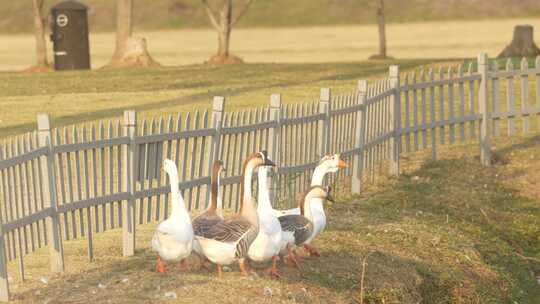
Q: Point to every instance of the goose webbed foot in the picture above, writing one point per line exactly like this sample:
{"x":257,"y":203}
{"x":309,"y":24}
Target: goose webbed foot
{"x":312,"y":250}
{"x":298,"y":256}
{"x":292,"y":258}
{"x":160,"y":266}
{"x":273,"y":271}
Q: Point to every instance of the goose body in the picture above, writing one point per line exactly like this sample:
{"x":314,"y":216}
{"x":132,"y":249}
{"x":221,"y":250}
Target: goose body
{"x":267,"y":243}
{"x":173,"y":237}
{"x":229,"y":240}
{"x":328,"y":164}
{"x":214,"y":214}
{"x":299,"y":229}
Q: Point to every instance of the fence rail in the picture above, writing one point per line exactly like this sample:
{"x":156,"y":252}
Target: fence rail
{"x":68,"y":183}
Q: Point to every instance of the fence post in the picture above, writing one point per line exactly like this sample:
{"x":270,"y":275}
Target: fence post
{"x":395,"y":116}
{"x":128,"y":180}
{"x":358,"y":165}
{"x":218,"y":108}
{"x":324,"y":124}
{"x":274,"y":141}
{"x":485,"y":125}
{"x":48,"y":180}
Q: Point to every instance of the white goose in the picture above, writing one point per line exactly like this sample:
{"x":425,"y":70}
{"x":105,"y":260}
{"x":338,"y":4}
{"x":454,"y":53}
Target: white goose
{"x":328,"y":164}
{"x":229,"y":240}
{"x":267,"y":244}
{"x":174,"y":236}
{"x":298,"y":229}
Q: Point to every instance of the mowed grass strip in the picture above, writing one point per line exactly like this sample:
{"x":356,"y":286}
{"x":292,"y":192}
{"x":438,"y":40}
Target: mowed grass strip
{"x":83,"y":96}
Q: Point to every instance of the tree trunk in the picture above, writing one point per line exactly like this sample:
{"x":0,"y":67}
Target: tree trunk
{"x":382,"y":30}
{"x":225,"y":31}
{"x":129,"y":51}
{"x":124,"y":14}
{"x":522,"y":44}
{"x":39,"y":31}
{"x":224,"y":38}
{"x":223,"y":55}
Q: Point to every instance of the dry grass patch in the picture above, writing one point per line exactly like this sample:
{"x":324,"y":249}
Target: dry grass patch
{"x":449,"y":231}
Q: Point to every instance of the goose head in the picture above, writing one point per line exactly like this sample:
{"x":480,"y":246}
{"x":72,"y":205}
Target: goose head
{"x":315,"y":192}
{"x":332,"y":163}
{"x":261,"y":159}
{"x":217,"y":169}
{"x":170,"y":167}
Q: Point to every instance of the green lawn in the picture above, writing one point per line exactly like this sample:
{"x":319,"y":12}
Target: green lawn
{"x":444,"y":232}
{"x":82,"y":96}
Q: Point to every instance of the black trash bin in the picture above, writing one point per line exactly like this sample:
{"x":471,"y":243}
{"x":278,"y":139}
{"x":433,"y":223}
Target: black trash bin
{"x":69,"y":28}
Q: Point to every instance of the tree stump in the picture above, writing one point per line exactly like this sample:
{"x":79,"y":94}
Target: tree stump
{"x":222,"y":59}
{"x":522,"y":44}
{"x":135,"y":55}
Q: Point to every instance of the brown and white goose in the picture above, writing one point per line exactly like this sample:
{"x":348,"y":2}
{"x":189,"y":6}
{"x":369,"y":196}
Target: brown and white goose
{"x":214,"y":212}
{"x":229,"y":240}
{"x":299,"y":229}
{"x":328,"y":164}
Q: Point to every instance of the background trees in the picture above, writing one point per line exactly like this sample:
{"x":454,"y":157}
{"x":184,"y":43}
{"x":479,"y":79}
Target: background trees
{"x":224,"y":16}
{"x":42,"y":63}
{"x":129,"y":50}
{"x":382,"y":31}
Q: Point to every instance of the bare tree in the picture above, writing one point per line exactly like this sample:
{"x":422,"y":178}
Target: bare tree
{"x":223,"y":20}
{"x":42,"y":63}
{"x":124,"y":26}
{"x":382,"y":31}
{"x":129,"y":50}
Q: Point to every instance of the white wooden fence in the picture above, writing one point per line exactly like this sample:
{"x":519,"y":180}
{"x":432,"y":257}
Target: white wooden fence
{"x":58,"y":184}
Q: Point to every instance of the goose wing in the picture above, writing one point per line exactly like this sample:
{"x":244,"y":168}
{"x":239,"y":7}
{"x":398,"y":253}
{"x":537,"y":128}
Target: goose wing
{"x":203,"y":223}
{"x":236,"y":230}
{"x":299,"y":225}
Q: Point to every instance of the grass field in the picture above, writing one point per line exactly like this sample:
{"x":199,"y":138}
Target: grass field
{"x":449,"y":39}
{"x":422,"y":245}
{"x":329,"y":54}
{"x":75,"y":97}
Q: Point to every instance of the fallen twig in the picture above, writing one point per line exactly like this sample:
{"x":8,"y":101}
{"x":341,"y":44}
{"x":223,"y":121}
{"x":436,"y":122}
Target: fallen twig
{"x":364,"y":264}
{"x":527,"y":258}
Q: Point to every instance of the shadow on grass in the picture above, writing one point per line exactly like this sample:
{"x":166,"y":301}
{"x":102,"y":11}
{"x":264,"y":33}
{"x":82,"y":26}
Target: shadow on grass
{"x":521,"y":145}
{"x":449,"y":198}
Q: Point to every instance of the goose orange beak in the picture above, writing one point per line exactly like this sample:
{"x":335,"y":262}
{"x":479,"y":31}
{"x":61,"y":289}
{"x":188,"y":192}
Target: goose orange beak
{"x":342,"y":164}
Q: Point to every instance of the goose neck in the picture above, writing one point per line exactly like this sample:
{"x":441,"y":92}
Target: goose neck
{"x":263,"y":202}
{"x":177,"y":206}
{"x":318,"y":175}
